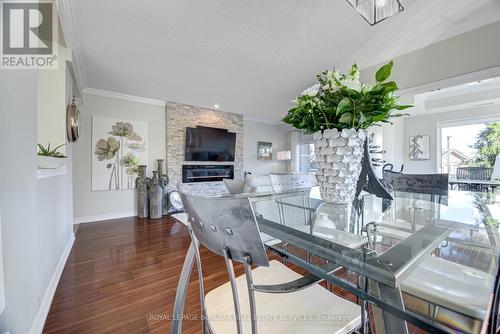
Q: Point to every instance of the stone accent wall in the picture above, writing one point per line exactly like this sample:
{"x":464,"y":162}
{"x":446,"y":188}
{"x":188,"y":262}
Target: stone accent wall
{"x":179,"y":117}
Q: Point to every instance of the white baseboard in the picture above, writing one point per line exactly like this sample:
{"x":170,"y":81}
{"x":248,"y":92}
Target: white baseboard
{"x":91,"y":219}
{"x":43,"y":311}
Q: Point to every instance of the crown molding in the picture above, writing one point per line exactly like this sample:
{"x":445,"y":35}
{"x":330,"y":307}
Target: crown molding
{"x":125,"y":97}
{"x":66,"y":11}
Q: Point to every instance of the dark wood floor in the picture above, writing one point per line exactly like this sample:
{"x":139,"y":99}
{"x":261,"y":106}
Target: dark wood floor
{"x":121,"y":277}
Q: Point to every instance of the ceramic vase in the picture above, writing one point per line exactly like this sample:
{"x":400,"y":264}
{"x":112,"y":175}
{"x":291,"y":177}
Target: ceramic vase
{"x":163,"y":179}
{"x":338,"y":157}
{"x":141,"y":186}
{"x":155,"y":198}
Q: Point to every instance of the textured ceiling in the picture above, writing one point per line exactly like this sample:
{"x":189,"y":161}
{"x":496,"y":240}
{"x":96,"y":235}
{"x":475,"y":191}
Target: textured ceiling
{"x":250,"y":57}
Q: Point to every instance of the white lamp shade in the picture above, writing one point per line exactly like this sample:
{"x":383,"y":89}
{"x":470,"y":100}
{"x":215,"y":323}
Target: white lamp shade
{"x":496,"y":169}
{"x":284,"y":155}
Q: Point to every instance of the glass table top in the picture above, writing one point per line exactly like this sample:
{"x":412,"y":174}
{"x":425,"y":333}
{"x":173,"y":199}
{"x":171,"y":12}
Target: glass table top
{"x":441,"y":250}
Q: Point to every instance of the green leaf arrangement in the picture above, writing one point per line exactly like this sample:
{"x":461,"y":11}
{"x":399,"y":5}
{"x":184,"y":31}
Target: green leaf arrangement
{"x":341,"y":101}
{"x":47,"y":152}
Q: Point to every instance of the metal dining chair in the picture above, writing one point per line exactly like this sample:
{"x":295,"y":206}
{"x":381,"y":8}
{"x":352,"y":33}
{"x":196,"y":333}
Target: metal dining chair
{"x":283,"y":183}
{"x":268,"y":299}
{"x":442,"y":286}
{"x":434,"y":185}
{"x":474,"y":173}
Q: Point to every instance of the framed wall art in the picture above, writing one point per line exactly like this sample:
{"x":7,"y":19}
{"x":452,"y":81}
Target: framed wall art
{"x":264,"y":150}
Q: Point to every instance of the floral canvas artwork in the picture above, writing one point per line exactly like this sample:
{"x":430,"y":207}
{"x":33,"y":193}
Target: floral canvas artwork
{"x":419,"y":148}
{"x":118,"y":148}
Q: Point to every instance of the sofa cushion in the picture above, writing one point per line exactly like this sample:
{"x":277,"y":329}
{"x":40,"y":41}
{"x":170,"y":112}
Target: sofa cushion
{"x":256,"y":182}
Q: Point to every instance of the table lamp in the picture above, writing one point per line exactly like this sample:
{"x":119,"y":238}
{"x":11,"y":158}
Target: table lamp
{"x":285,"y":156}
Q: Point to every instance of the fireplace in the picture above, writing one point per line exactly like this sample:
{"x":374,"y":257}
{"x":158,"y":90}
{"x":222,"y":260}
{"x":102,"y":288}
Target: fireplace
{"x":206,"y":173}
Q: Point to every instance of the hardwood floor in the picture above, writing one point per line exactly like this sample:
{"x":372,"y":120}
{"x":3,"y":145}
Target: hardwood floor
{"x":122,"y":275}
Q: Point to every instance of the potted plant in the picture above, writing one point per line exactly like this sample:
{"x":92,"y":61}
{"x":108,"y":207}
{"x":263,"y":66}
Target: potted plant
{"x":337,"y":111}
{"x":50,"y":158}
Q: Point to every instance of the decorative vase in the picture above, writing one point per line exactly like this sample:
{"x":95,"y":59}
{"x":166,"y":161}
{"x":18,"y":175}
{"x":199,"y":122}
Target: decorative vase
{"x":338,"y":157}
{"x":155,"y":198}
{"x":141,"y":186}
{"x":163,"y":179}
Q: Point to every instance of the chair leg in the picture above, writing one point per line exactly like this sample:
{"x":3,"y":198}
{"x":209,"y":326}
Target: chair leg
{"x":363,"y":283}
{"x":180,"y":296}
{"x":200,"y":283}
{"x":251,"y":294}
{"x":234,"y":289}
{"x":280,"y":212}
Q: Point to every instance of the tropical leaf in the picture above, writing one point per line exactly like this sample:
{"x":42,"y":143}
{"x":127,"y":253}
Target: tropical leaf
{"x":344,"y":105}
{"x":346,"y":118}
{"x":403,"y":107}
{"x":362,"y":118}
{"x":384,"y":72}
{"x":389,"y":87}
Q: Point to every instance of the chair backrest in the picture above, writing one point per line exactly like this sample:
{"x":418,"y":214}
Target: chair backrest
{"x":433,"y":184}
{"x":474,"y":173}
{"x":288,"y":182}
{"x":226,"y":224}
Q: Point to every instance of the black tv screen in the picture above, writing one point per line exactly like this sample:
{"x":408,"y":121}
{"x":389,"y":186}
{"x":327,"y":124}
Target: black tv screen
{"x":209,"y":144}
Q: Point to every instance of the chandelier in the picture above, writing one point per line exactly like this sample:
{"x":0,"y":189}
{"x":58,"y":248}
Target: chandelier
{"x":375,"y":11}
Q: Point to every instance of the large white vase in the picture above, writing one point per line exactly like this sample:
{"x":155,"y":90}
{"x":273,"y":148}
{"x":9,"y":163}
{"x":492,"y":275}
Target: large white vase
{"x":338,"y":157}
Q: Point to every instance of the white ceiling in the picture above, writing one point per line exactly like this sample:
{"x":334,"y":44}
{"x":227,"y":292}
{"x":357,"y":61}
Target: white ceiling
{"x":250,"y":57}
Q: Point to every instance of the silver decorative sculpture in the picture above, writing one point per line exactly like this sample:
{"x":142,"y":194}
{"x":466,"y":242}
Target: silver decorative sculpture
{"x":141,"y":185}
{"x":367,"y":180}
{"x":155,"y":198}
{"x":163,"y":179}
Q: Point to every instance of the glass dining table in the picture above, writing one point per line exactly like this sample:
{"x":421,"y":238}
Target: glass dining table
{"x":420,"y":259}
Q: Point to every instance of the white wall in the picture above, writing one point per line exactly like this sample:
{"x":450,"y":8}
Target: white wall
{"x":52,"y":103}
{"x":392,"y":142}
{"x":94,"y":206}
{"x":36,"y":214}
{"x":2,"y":284}
{"x":428,"y":125}
{"x":99,"y":205}
{"x":254,"y":132}
{"x":470,"y":52}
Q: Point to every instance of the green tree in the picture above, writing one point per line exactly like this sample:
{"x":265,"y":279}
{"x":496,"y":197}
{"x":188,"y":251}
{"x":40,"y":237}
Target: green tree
{"x":487,"y":145}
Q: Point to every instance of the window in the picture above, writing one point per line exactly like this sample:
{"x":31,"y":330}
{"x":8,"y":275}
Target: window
{"x":307,"y":158}
{"x":303,"y":156}
{"x":469,"y":145}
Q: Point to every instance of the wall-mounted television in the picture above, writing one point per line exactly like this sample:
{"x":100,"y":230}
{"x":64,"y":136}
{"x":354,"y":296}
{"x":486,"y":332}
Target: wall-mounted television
{"x":209,"y":144}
